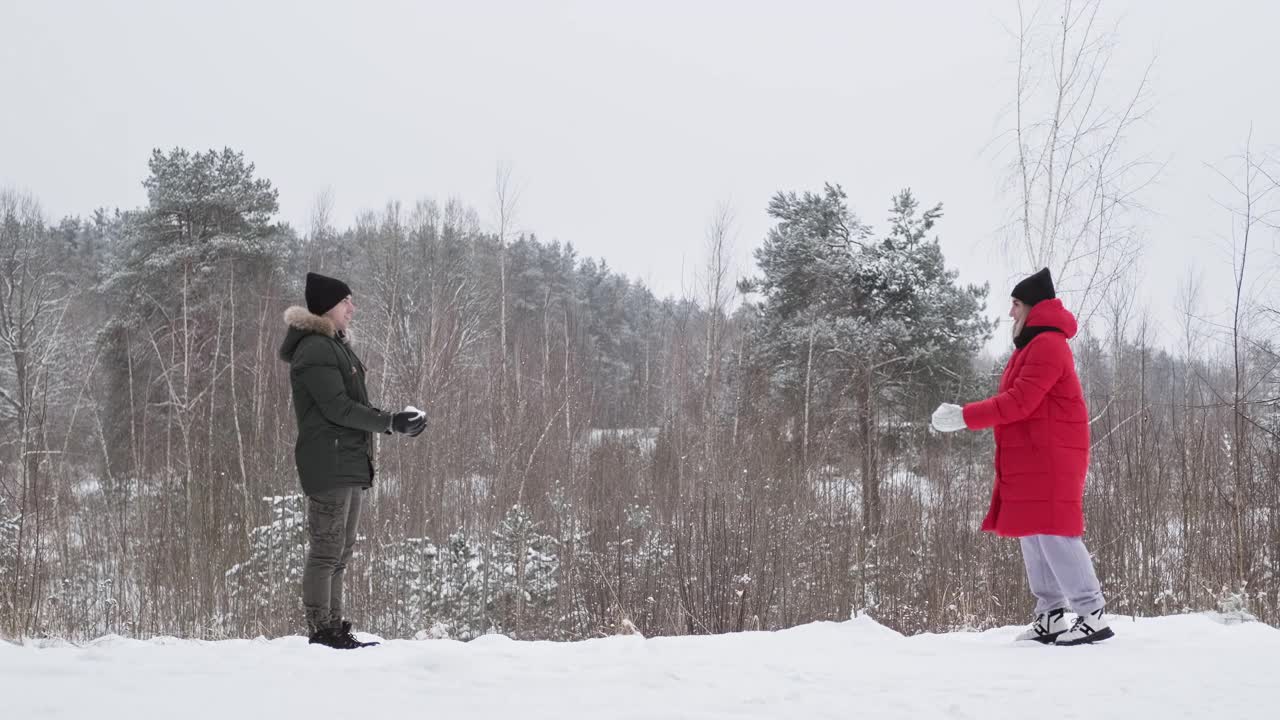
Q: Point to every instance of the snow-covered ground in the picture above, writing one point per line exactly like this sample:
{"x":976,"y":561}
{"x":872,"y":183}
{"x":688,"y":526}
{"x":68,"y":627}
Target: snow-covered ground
{"x":1189,"y":666}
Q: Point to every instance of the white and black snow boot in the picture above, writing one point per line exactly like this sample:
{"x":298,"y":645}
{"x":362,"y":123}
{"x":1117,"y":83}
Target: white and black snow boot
{"x":1090,"y":628}
{"x":1047,"y":627}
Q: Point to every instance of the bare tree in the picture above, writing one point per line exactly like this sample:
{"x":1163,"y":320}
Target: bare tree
{"x":32,"y":304}
{"x":320,"y":227}
{"x":1252,"y":208}
{"x":1072,"y":173}
{"x":718,"y":291}
{"x":506,"y":199}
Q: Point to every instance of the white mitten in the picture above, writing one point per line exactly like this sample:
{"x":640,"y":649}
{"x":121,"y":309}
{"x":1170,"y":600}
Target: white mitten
{"x":948,"y":418}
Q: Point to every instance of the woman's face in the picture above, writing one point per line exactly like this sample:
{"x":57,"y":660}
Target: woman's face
{"x":1018,"y":311}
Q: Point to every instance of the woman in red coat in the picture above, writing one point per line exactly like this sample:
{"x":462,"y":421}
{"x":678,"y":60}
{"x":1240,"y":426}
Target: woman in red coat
{"x":1041,"y":430}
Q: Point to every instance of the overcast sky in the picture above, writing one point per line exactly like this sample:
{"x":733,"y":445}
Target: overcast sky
{"x":625,"y":123}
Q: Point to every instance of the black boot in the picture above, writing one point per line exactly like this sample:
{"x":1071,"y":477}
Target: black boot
{"x":321,"y":636}
{"x":338,"y":638}
{"x":346,"y":640}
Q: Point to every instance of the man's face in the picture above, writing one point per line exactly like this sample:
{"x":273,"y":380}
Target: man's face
{"x":1018,"y":311}
{"x":341,"y":314}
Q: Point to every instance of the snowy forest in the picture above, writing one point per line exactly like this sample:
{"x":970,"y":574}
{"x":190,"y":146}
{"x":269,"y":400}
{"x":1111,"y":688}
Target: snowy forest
{"x":597,"y":459}
{"x":600,"y":460}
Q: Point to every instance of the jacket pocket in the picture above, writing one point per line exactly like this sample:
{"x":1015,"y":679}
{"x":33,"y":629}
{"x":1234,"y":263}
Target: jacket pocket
{"x":316,"y":457}
{"x":351,"y":448}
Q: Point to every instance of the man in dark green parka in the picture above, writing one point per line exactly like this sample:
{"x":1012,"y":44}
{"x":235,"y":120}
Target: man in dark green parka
{"x":334,"y":451}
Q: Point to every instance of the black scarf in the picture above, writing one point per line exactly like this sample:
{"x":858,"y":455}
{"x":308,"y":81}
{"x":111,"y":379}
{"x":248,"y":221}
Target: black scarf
{"x":1027,"y":333}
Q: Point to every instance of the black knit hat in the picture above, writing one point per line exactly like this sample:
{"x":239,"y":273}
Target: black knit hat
{"x":1035,"y":288}
{"x":323,"y":293}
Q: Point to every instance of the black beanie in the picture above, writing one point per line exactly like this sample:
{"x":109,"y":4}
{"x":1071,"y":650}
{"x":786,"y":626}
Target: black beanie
{"x":323,"y":293}
{"x":1035,"y":288}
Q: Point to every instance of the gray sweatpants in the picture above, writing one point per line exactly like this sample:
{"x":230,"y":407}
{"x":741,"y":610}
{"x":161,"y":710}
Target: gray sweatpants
{"x":1060,"y":573}
{"x":332,"y":521}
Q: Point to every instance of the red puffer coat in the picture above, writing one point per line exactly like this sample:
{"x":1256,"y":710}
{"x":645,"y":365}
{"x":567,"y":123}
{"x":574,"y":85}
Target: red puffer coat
{"x":1041,"y":432}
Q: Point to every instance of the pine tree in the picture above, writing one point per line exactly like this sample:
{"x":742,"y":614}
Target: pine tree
{"x":411,"y":569}
{"x":264,"y":588}
{"x":461,"y":606}
{"x":525,"y":569}
{"x":640,"y":556}
{"x":858,"y":335}
{"x":205,"y":212}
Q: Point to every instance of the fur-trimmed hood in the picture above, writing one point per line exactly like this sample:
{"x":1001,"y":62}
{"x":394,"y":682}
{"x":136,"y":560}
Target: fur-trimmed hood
{"x":302,"y":319}
{"x":302,"y":322}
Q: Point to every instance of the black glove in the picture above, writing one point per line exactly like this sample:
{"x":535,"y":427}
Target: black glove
{"x":409,"y":423}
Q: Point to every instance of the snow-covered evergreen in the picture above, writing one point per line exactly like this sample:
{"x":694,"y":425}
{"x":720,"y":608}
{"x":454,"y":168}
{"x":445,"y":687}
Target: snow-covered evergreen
{"x":270,"y":576}
{"x":526,"y":580}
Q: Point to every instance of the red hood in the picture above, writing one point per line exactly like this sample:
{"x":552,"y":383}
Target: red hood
{"x":1051,"y":313}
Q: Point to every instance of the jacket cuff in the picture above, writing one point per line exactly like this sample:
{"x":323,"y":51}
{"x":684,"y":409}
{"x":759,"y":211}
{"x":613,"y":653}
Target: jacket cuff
{"x":970,"y":415}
